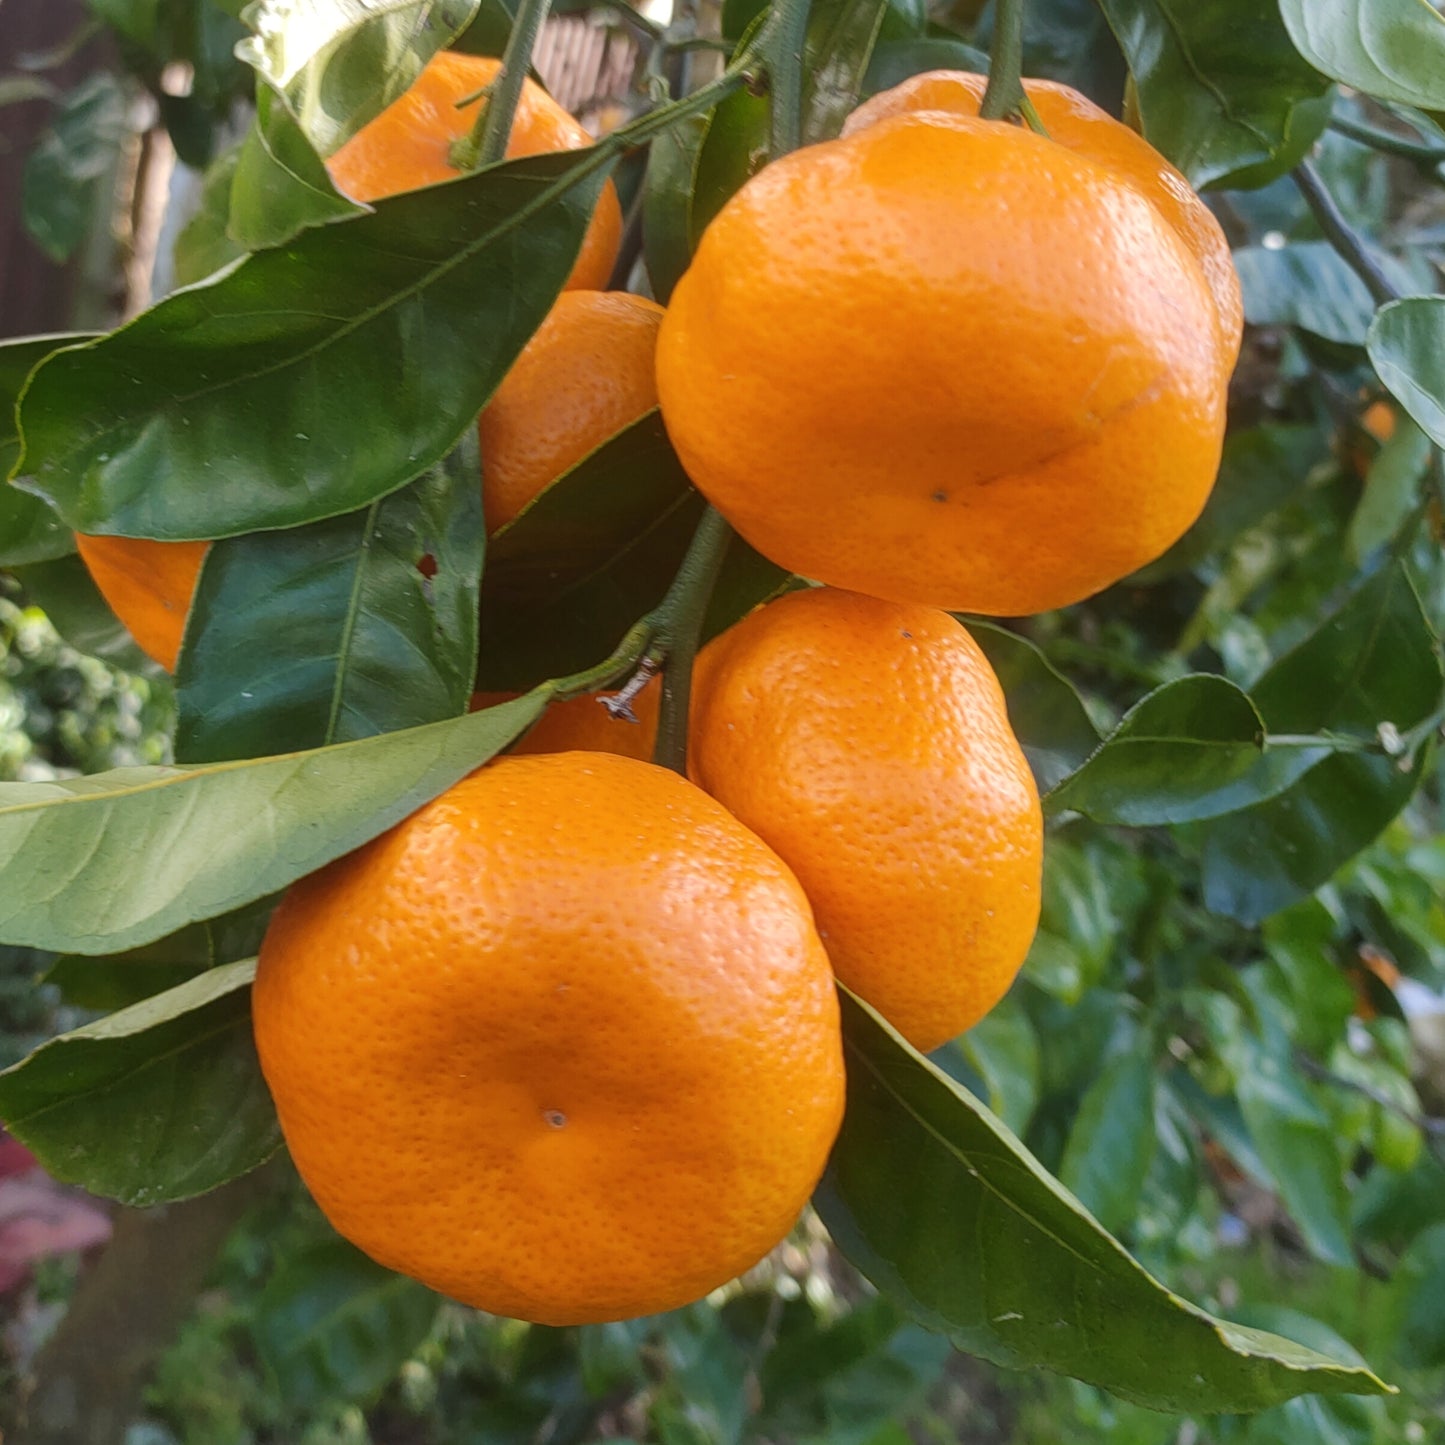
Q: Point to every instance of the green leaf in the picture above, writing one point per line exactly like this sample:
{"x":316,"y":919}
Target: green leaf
{"x":105,"y":863}
{"x":1177,"y":755}
{"x":158,"y":1102}
{"x":117,"y":980}
{"x":325,"y":68}
{"x":1420,"y":1294}
{"x":359,"y":625}
{"x":1406,"y":346}
{"x":1392,"y":487}
{"x":1390,"y":49}
{"x":333,"y":1325}
{"x":1307,"y":284}
{"x":203,"y":246}
{"x":948,"y":1214}
{"x":1111,"y":1144}
{"x":309,"y":381}
{"x":583,"y":561}
{"x":1003,"y":1050}
{"x":667,"y":233}
{"x":29,"y":530}
{"x":1373,"y":664}
{"x":841,"y":37}
{"x":894,"y":61}
{"x":60,"y":198}
{"x":1296,"y":1140}
{"x":1222,"y":91}
{"x":1046,"y":714}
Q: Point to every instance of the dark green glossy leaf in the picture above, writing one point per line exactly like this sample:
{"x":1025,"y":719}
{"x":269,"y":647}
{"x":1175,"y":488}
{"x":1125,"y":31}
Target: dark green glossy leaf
{"x":580,"y":564}
{"x":490,"y":28}
{"x":1068,"y":41}
{"x":63,"y":590}
{"x":894,"y":61}
{"x":734,"y":149}
{"x":105,"y":863}
{"x":948,"y":1214}
{"x":1222,"y":91}
{"x":1306,"y":284}
{"x":309,"y":381}
{"x":1179,"y":754}
{"x":1260,"y":470}
{"x":1373,"y":664}
{"x":747,"y":580}
{"x":359,"y":625}
{"x":324,"y":68}
{"x":333,"y":1325}
{"x":203,"y":245}
{"x":1295,"y":1139}
{"x":29,"y":530}
{"x":667,"y":234}
{"x":1003,"y":1050}
{"x":61,"y":199}
{"x":117,"y":980}
{"x":1390,"y":49}
{"x":1111,"y":1144}
{"x":158,"y":1102}
{"x":1407,"y":347}
{"x":1392,"y":487}
{"x":841,"y":37}
{"x":1048,"y":716}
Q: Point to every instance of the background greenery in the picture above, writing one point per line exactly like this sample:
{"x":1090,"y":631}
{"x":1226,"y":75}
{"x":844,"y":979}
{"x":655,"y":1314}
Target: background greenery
{"x":1208,"y":1044}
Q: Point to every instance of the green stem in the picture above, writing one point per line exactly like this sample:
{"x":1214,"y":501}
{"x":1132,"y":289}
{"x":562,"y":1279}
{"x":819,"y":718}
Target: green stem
{"x":1421,"y":152}
{"x":623,"y":658}
{"x":783,"y":41}
{"x":1341,"y":235}
{"x":487,"y":143}
{"x":679,"y":629}
{"x":1005,"y":92}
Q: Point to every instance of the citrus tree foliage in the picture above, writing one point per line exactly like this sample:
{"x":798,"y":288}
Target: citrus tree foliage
{"x":1237,"y":747}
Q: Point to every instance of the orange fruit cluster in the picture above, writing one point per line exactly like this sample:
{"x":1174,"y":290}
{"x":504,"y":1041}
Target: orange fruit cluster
{"x":564,"y":1043}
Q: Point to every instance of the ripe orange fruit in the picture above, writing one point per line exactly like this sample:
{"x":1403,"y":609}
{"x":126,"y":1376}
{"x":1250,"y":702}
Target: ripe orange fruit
{"x":149,"y":586}
{"x":582,"y":724}
{"x":588,"y":372}
{"x":564,"y":1044}
{"x":869,"y":744}
{"x":950,"y":361}
{"x":409,"y":145}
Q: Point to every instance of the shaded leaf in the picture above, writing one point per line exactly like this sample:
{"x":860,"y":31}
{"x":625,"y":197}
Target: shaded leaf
{"x":1045,"y":712}
{"x":1179,"y":754}
{"x":359,"y":625}
{"x":1406,"y":345}
{"x":1111,"y":1144}
{"x":158,"y":1102}
{"x":1003,"y":1050}
{"x":204,"y":246}
{"x":1222,"y":91}
{"x":332,"y":1324}
{"x":948,"y":1214}
{"x":1306,"y":284}
{"x":105,"y":863}
{"x":309,"y":381}
{"x":841,"y":37}
{"x":29,"y":530}
{"x":1392,"y":486}
{"x":894,"y":61}
{"x":667,"y":233}
{"x":1373,"y":664}
{"x":1390,"y":49}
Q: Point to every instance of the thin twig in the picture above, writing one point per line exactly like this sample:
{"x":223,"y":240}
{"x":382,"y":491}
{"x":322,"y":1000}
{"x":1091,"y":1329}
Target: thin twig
{"x":1343,"y":236}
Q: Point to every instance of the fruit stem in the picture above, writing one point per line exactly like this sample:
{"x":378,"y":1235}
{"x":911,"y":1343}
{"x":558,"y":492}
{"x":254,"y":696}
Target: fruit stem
{"x":1004,"y":92}
{"x":487,"y":143}
{"x":1341,"y":235}
{"x":787,"y":35}
{"x":678,"y":629}
{"x":1427,"y":156}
